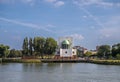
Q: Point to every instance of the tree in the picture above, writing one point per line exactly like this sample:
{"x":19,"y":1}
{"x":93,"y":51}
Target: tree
{"x":4,"y":50}
{"x":30,"y":46}
{"x":12,"y":53}
{"x":15,"y":53}
{"x":39,"y":43}
{"x":104,"y":51}
{"x":50,"y":46}
{"x":118,"y":56}
{"x":115,"y":49}
{"x":88,"y":53}
{"x":25,"y":46}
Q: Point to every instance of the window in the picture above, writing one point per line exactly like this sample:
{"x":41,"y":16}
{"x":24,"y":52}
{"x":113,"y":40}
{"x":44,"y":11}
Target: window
{"x":66,"y":52}
{"x":73,"y":52}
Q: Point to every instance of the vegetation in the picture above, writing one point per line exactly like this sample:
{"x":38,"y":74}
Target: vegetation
{"x":15,"y":53}
{"x":4,"y":51}
{"x":39,"y":46}
{"x":104,"y":51}
{"x":116,"y":50}
{"x":18,"y":60}
{"x":88,"y":53}
{"x":106,"y":62}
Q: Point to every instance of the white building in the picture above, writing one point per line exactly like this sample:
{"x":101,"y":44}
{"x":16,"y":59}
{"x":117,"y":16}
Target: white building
{"x":65,"y":48}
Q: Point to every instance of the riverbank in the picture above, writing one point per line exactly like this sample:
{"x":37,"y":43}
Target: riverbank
{"x":105,"y":62}
{"x":17,"y":60}
{"x":95,"y":61}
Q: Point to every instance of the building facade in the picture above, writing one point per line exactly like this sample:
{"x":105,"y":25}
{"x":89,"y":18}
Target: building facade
{"x":65,"y":48}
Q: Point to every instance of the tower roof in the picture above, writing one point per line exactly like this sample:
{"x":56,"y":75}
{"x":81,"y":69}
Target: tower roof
{"x":66,"y":42}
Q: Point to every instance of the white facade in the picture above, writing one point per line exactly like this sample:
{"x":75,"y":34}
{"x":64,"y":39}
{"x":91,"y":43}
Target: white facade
{"x":65,"y":47}
{"x":67,"y":52}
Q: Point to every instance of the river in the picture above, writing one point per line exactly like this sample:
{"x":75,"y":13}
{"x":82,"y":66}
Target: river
{"x":58,"y":72}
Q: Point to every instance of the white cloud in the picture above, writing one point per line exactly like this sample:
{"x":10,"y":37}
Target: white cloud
{"x":25,"y":24}
{"x":77,"y":37}
{"x":59,"y":3}
{"x":50,"y":1}
{"x":84,"y":16}
{"x":56,"y":3}
{"x":101,"y":3}
{"x":30,"y":2}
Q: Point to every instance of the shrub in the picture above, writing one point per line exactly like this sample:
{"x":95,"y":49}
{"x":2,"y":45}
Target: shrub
{"x":118,"y":56}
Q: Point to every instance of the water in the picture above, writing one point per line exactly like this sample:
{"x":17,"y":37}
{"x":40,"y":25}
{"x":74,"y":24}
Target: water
{"x":59,"y":72}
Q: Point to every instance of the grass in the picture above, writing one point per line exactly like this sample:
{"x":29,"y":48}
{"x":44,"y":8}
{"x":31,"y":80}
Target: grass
{"x":15,"y":60}
{"x":95,"y":61}
{"x":105,"y":62}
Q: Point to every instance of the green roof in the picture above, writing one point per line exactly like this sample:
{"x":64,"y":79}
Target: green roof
{"x":66,"y":42}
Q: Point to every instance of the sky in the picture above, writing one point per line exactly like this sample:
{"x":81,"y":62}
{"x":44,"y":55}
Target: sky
{"x":89,"y":22}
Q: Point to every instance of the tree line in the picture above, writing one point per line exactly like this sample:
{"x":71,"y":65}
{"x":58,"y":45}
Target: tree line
{"x":38,"y":46}
{"x":107,"y":51}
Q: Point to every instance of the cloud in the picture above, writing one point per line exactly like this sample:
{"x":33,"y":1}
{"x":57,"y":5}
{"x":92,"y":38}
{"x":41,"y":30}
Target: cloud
{"x":112,"y":28}
{"x":59,"y":3}
{"x":56,"y":3}
{"x":50,"y":1}
{"x":77,"y":37}
{"x":25,"y":24}
{"x":101,"y":3}
{"x":89,"y":14}
{"x":30,"y":2}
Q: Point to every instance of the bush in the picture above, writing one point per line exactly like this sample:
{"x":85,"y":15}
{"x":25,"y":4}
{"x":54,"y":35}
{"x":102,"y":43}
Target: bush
{"x":118,"y":56}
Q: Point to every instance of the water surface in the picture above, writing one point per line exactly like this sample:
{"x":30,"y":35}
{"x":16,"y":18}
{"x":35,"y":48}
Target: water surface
{"x":58,"y":72}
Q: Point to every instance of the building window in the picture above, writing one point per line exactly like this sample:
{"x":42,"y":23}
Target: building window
{"x":66,"y":52}
{"x":58,"y":52}
{"x":73,"y":52}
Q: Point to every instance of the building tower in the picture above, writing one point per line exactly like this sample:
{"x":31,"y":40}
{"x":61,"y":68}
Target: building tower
{"x":65,"y":48}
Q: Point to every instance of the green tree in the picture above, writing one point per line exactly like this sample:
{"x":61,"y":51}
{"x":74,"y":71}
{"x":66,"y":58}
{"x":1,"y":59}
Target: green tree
{"x":12,"y":53}
{"x":50,"y":46}
{"x":118,"y":56}
{"x":88,"y":53}
{"x":25,"y":46}
{"x":15,"y":53}
{"x":39,"y":43}
{"x":104,"y":51}
{"x":30,"y":46}
{"x":4,"y":50}
{"x":115,"y":49}
{"x":41,"y":46}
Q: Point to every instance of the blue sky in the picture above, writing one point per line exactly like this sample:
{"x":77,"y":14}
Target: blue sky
{"x":90,"y":22}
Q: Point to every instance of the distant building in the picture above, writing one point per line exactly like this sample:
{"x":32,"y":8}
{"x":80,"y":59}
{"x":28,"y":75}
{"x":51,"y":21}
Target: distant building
{"x":65,"y":48}
{"x":80,"y":50}
{"x":93,"y":52}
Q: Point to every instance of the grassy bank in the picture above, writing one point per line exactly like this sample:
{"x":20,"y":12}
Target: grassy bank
{"x":14,"y":60}
{"x":105,"y":62}
{"x":95,"y":61}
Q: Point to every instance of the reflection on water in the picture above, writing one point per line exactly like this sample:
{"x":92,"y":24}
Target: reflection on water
{"x":58,"y":72}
